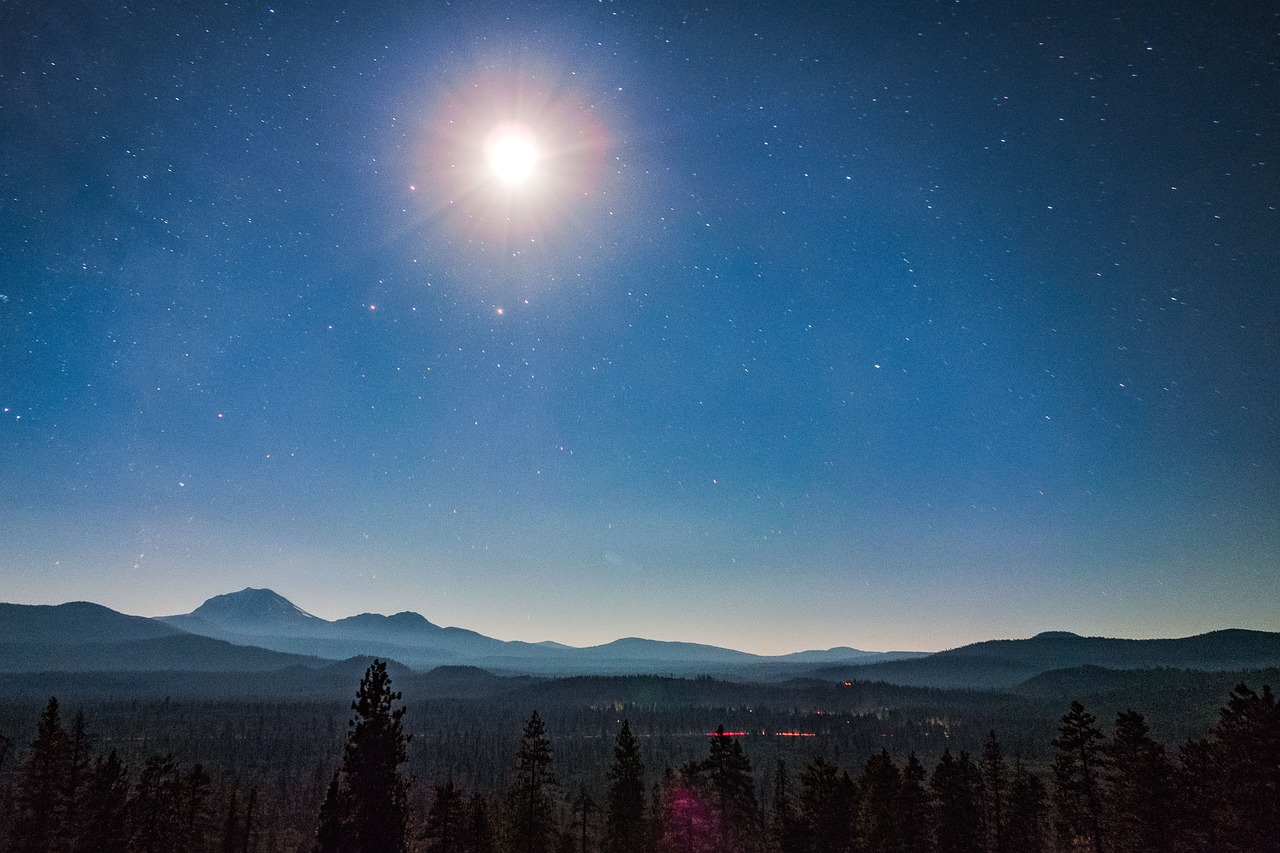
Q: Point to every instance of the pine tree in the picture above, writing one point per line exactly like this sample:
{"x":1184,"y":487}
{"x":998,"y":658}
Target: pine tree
{"x":530,"y":824}
{"x":40,"y":822}
{"x":656,"y":825}
{"x":79,"y":763}
{"x":1140,"y":788}
{"x":330,"y":837}
{"x":366,"y":809}
{"x":249,"y":836}
{"x":785,"y":828}
{"x":104,"y":814}
{"x":377,"y":796}
{"x":826,"y":808}
{"x":1246,"y":756}
{"x":624,"y":830}
{"x":197,"y":822}
{"x":479,"y":827}
{"x":913,"y":809}
{"x":994,"y":784}
{"x":445,"y":819}
{"x":732,"y":792}
{"x":157,"y":807}
{"x":1025,"y":828}
{"x":880,"y":783}
{"x":957,"y":794}
{"x":1198,"y":812}
{"x":686,"y":821}
{"x":1077,"y":779}
{"x":583,"y":812}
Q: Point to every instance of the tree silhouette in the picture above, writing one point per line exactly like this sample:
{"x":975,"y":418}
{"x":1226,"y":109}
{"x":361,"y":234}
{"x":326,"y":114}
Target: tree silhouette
{"x":445,"y":820}
{"x":995,"y":783}
{"x":1246,"y":757}
{"x":826,"y":808}
{"x":1077,"y":779}
{"x":957,"y":792}
{"x":913,"y":809}
{"x":732,"y":791}
{"x":880,"y":783}
{"x":1140,"y":789}
{"x":329,"y":832}
{"x":479,"y":836}
{"x":105,"y":811}
{"x":785,"y":829}
{"x":531,"y":825}
{"x":1197,"y":793}
{"x":366,"y":808}
{"x":624,"y":806}
{"x":685,"y":820}
{"x":41,"y":795}
{"x":1025,"y":827}
{"x":157,"y":806}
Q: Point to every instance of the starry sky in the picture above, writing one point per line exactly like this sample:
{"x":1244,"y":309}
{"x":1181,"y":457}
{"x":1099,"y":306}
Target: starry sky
{"x":891,"y":325}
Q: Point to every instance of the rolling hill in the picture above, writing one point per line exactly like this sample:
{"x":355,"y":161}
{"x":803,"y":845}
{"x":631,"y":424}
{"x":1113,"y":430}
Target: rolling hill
{"x":1001,"y":664}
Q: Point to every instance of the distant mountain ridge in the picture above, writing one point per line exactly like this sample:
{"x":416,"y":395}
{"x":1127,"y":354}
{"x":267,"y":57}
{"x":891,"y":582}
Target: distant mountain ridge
{"x":1000,"y":664}
{"x":74,"y":623}
{"x":85,"y":637}
{"x":260,"y":631}
{"x":266,"y":618}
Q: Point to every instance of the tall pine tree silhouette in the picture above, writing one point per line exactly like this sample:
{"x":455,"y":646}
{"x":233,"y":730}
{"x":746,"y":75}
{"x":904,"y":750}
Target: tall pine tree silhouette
{"x":624,"y":808}
{"x":957,"y":794}
{"x":367,"y":807}
{"x":731,"y":788}
{"x":530,"y":818}
{"x":1077,"y":779}
{"x":1245,"y":754}
{"x":1140,"y":790}
{"x":877,"y":819}
{"x":40,"y":795}
{"x":827,"y":801}
{"x":995,"y":783}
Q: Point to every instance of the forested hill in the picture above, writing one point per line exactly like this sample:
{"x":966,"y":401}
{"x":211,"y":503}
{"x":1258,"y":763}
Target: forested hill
{"x":998,"y":664}
{"x":85,"y":637}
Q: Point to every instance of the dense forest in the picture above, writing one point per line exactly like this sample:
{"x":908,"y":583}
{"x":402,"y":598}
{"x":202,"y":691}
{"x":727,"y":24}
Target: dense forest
{"x":640,"y":776}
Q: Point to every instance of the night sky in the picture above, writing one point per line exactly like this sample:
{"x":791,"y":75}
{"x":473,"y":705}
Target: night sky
{"x":892,"y":325}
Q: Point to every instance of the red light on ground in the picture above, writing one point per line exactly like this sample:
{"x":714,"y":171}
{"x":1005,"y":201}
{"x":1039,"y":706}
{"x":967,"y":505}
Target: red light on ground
{"x":726,"y":734}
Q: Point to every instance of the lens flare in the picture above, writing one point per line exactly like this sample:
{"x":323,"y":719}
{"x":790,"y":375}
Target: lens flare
{"x":509,"y":159}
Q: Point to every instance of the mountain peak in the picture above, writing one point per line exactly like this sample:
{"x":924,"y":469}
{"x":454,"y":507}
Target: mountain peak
{"x":253,"y":607}
{"x":1056,"y":635}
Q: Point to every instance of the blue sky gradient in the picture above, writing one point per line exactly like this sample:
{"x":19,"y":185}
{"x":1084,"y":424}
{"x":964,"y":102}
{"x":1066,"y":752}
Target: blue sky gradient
{"x":888,"y":326}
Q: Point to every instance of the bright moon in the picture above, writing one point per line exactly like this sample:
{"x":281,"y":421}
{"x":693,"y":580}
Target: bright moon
{"x":511,"y":154}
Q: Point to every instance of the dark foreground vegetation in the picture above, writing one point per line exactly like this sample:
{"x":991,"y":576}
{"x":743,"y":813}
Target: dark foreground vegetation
{"x":640,"y":776}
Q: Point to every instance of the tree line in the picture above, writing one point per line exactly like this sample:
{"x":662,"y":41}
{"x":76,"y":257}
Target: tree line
{"x":1123,"y":793}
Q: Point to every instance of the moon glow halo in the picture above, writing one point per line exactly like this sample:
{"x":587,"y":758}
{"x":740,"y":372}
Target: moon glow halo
{"x":510,"y":157}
